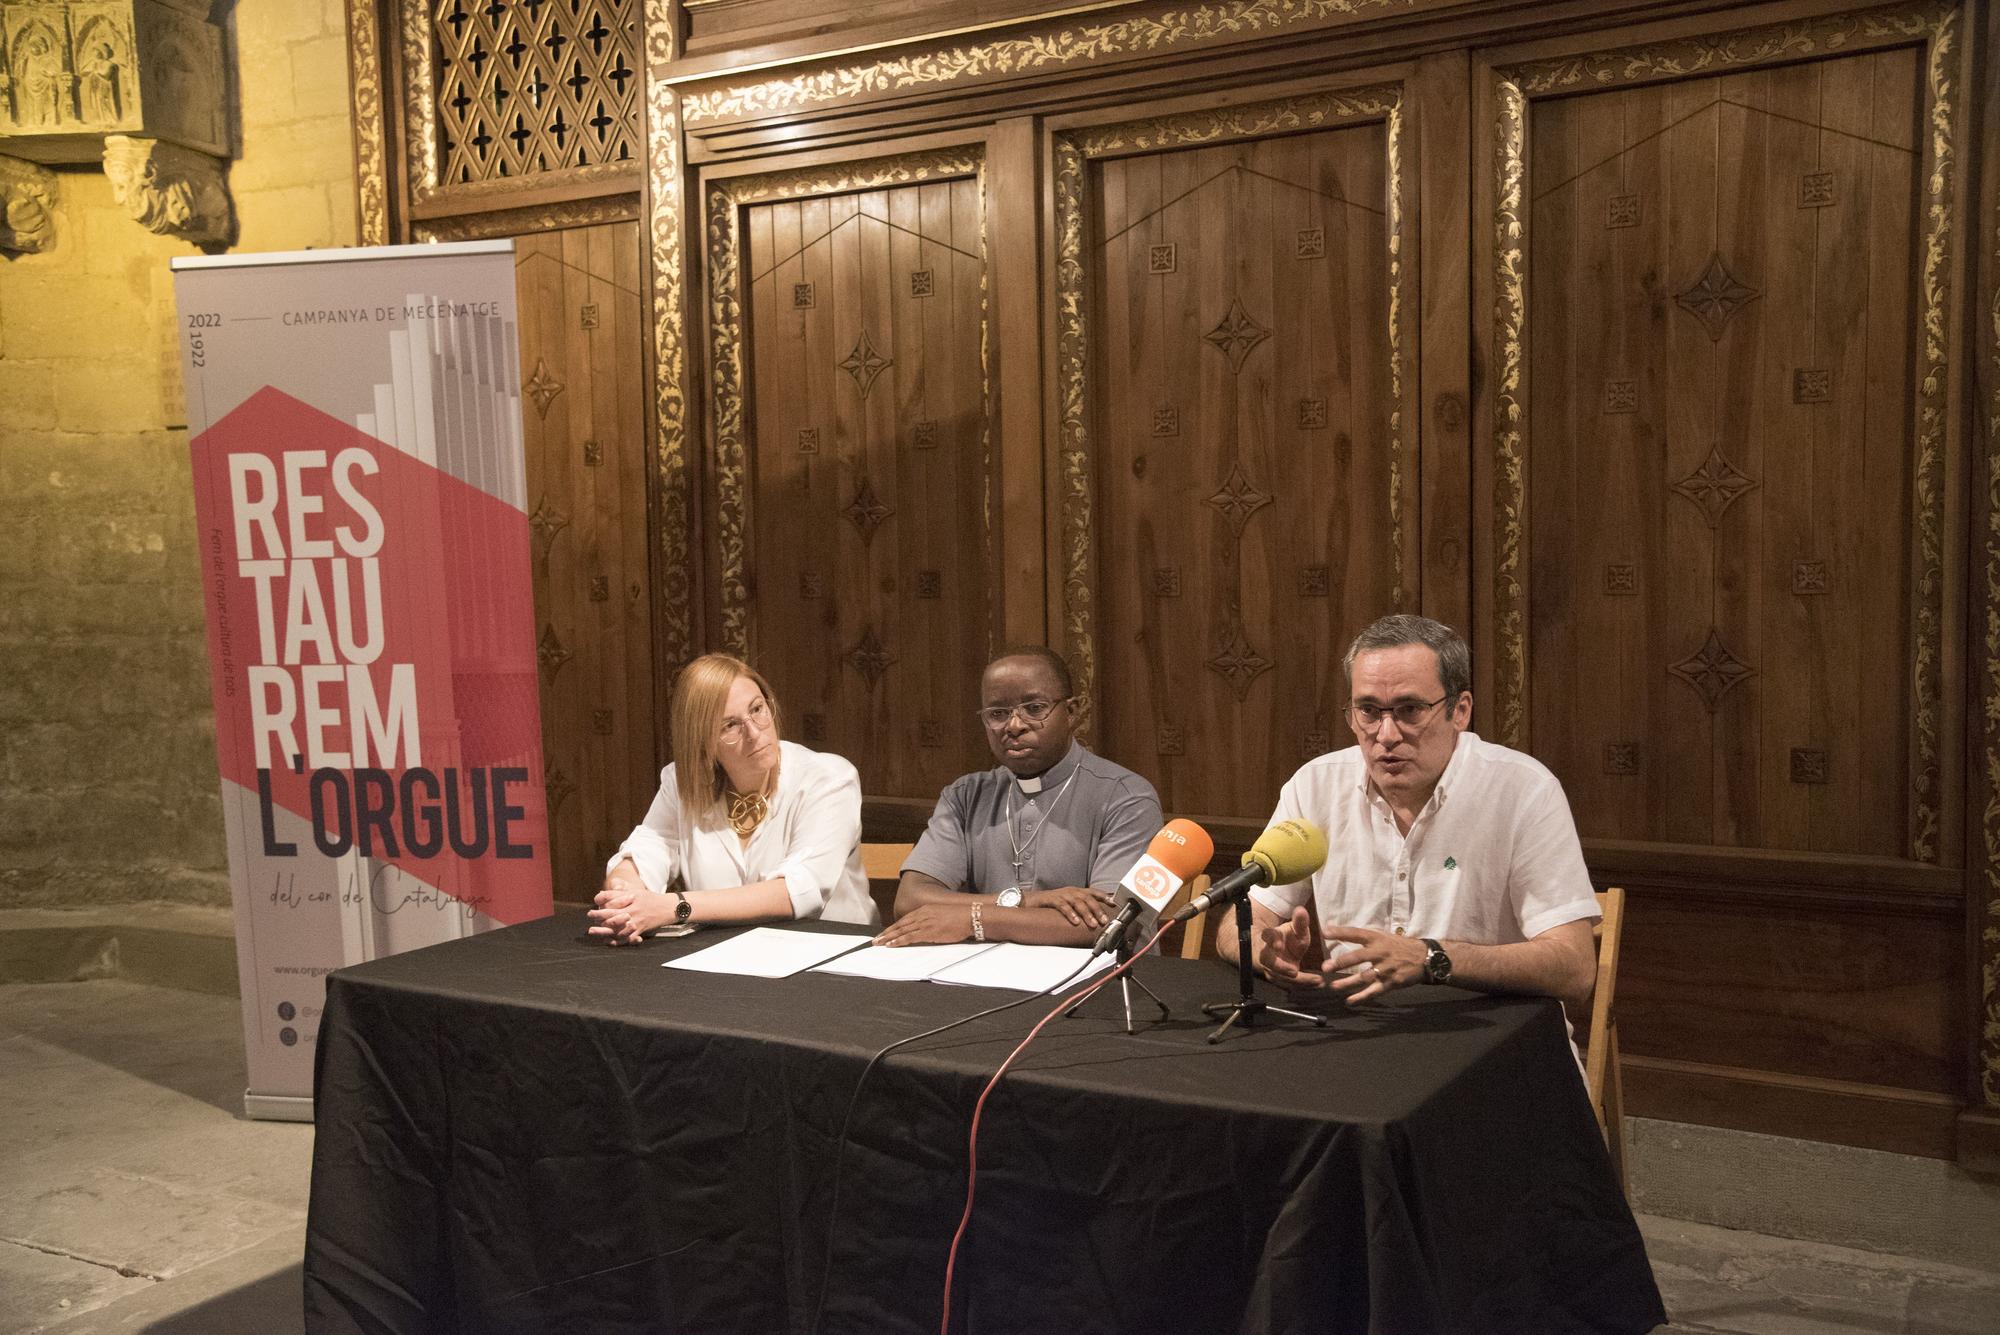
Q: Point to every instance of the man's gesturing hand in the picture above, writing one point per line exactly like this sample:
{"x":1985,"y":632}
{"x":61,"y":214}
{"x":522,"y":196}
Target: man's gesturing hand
{"x":1283,"y":948}
{"x":1382,"y":962}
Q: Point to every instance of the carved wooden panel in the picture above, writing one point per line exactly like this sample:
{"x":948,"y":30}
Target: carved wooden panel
{"x":1760,"y":332}
{"x":1273,"y":499}
{"x":582,"y":351}
{"x":883,"y":369}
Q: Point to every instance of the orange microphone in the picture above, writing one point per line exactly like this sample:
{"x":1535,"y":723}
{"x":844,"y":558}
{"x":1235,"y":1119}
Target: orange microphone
{"x":1178,"y":852}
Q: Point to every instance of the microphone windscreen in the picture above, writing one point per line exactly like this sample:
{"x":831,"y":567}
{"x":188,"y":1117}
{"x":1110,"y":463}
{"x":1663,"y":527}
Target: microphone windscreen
{"x":1289,"y":851}
{"x":1183,"y":848}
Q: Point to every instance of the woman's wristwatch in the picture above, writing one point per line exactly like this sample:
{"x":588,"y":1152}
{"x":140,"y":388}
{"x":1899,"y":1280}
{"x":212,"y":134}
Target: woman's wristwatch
{"x":682,"y":909}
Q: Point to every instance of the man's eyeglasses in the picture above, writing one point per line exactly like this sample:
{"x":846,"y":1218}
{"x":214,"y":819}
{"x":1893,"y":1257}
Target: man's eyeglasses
{"x":999,"y":716}
{"x":1410,"y":715}
{"x":736,"y":729}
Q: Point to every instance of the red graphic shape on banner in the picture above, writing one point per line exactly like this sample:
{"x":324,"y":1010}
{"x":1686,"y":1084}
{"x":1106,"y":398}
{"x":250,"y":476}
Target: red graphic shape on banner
{"x":457,"y":800}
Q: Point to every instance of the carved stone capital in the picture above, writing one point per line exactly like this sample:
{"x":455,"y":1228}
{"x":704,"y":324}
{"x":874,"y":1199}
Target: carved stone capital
{"x":27,"y":206}
{"x":169,"y":190}
{"x":73,"y":72}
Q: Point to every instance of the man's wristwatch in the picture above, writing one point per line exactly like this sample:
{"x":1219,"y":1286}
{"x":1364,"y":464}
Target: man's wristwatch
{"x":1010,"y":898}
{"x":682,"y":909}
{"x":1437,"y":964}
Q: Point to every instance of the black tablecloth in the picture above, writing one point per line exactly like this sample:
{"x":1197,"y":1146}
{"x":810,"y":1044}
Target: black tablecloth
{"x":527,"y":1131}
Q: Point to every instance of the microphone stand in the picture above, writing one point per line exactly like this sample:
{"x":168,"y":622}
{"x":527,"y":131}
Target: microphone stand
{"x":1248,"y":1005}
{"x":1126,"y":982}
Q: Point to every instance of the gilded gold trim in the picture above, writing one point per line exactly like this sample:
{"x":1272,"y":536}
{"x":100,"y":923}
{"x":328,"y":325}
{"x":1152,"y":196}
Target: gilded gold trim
{"x":1402,"y":453}
{"x":1164,"y":29}
{"x":523,"y":221}
{"x":371,"y":168}
{"x":420,"y":149}
{"x":1695,"y":57}
{"x":725,"y":365}
{"x":1079,"y":562}
{"x":665,"y":201}
{"x":1073,"y":151}
{"x":726,"y":200}
{"x":1936,"y":26}
{"x":1510,"y":479}
{"x":990,"y":544}
{"x":1055,"y":15}
{"x":1989,"y":817}
{"x":1927,"y":479}
{"x":845,"y":177}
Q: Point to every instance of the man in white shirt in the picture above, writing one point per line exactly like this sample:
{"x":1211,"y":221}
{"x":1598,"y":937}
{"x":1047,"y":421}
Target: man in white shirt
{"x":1452,"y":860}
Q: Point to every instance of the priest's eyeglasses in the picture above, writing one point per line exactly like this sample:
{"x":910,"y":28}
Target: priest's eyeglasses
{"x":1410,"y":715}
{"x":997,"y":717}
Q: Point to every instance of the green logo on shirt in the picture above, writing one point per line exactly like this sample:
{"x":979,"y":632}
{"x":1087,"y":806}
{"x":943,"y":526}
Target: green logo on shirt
{"x":1449,"y":863}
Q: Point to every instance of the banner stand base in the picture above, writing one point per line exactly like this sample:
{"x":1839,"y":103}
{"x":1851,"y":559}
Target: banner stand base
{"x":277,"y":1107}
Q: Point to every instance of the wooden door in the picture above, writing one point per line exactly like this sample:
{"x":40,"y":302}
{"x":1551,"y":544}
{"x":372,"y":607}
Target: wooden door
{"x":583,"y":396}
{"x":1254,"y":491}
{"x":1728,"y":572}
{"x":853,"y":496}
{"x":1721,"y":506}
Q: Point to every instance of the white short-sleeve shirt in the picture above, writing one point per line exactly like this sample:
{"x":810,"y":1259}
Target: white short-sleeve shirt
{"x":1492,"y":859}
{"x":811,"y":840}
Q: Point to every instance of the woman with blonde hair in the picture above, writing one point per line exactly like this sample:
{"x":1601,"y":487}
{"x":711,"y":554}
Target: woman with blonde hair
{"x":751,"y":827}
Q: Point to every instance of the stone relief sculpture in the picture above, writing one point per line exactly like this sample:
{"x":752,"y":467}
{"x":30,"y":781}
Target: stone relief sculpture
{"x":99,"y":75}
{"x":39,"y":80}
{"x":139,"y":84}
{"x":27,"y":206}
{"x":101,"y":72}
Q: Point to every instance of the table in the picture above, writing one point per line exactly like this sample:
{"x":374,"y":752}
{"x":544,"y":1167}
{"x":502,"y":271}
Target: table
{"x":527,"y":1131}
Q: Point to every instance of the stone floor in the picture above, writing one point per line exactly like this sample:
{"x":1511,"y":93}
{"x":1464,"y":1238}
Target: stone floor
{"x":134,"y":1197}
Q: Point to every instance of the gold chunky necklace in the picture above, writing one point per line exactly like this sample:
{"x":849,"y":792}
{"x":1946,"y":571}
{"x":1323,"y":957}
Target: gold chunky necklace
{"x":746,"y":812}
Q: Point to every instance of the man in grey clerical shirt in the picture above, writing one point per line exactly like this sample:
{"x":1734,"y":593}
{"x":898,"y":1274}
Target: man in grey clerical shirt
{"x":1032,"y":850}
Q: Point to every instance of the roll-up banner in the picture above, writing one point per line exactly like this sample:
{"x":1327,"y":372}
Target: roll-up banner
{"x":360,"y":496}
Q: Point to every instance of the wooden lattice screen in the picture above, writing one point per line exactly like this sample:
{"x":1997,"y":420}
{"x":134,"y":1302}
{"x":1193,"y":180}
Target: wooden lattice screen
{"x":526,"y":87}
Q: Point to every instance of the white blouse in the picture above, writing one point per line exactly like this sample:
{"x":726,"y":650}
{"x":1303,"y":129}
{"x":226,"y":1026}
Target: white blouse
{"x":811,"y":840}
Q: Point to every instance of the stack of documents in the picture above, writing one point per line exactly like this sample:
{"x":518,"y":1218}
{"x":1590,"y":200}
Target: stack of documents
{"x":773,"y":952}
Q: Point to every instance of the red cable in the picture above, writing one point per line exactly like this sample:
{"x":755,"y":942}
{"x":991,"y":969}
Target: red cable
{"x":972,"y":1139}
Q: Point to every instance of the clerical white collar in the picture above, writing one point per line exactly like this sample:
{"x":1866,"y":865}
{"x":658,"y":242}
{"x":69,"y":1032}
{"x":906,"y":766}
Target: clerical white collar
{"x":1054,"y":774}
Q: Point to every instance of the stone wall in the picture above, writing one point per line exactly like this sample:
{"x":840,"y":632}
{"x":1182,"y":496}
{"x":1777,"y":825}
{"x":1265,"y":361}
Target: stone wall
{"x":108,"y":787}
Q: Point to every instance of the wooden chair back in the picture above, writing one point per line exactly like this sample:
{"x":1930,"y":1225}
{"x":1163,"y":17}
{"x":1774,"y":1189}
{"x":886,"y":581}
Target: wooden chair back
{"x":1600,"y":1059}
{"x":1194,"y":932}
{"x":883,"y":864}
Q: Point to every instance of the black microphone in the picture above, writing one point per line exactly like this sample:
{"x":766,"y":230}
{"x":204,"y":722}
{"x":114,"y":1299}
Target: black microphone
{"x":1289,"y":851}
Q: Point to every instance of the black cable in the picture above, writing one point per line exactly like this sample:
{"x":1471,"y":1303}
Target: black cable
{"x":846,"y":1121}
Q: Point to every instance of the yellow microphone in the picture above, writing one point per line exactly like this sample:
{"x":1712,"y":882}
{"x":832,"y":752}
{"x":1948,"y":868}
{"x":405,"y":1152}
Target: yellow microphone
{"x":1289,"y":851}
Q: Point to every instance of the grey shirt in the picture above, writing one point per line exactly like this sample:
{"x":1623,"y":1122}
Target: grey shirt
{"x":1086,"y":823}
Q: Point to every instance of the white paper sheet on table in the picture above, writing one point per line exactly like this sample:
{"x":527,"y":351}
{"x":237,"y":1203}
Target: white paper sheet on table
{"x":767,"y":952}
{"x":1023,"y":968}
{"x":903,"y":964}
